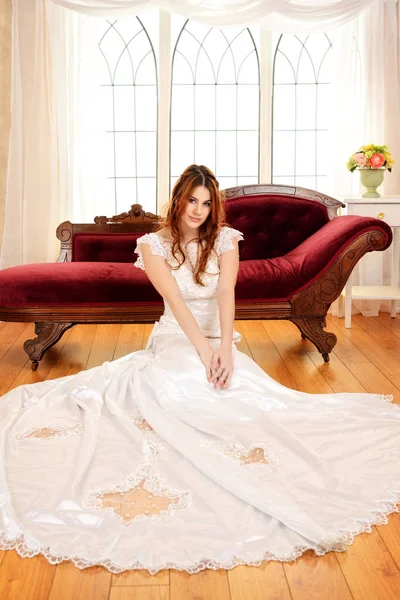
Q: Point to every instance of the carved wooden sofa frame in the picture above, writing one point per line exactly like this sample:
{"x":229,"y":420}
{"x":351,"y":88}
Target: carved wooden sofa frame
{"x":307,"y":309}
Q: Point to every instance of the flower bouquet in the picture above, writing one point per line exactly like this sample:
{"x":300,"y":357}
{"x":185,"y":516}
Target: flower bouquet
{"x":372,"y":161}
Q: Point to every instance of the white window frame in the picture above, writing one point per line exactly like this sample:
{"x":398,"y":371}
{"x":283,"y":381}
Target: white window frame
{"x":164,"y":115}
{"x":264,"y":41}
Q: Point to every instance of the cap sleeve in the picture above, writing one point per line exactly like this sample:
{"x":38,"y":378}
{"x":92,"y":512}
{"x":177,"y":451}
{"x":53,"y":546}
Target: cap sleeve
{"x":156,"y":245}
{"x":224,"y":239}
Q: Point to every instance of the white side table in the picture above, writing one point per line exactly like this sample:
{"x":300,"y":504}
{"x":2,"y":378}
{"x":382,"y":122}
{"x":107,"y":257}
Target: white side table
{"x":386,"y":208}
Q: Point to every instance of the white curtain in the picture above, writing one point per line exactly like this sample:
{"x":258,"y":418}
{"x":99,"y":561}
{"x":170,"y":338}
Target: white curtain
{"x":55,"y":163}
{"x":41,"y":160}
{"x":367,"y":90}
{"x":51,"y":135}
{"x":275,"y":15}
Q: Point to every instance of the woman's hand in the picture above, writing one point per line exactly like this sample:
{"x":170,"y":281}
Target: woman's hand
{"x":223,"y":362}
{"x":207,"y":358}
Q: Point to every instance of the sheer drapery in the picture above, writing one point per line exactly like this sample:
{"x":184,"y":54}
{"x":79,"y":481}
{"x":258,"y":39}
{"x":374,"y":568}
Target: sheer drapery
{"x":367,"y":87}
{"x":275,"y":15}
{"x":41,"y":167}
{"x":54,"y":133}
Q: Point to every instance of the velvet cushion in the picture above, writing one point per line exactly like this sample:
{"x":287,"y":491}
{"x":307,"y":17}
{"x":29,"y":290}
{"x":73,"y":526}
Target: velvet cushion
{"x":74,"y":283}
{"x":102,"y":247}
{"x":273,"y":225}
{"x":280,"y":278}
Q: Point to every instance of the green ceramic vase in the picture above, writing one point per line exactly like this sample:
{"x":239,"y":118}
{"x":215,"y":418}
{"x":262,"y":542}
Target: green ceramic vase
{"x":371,"y":179}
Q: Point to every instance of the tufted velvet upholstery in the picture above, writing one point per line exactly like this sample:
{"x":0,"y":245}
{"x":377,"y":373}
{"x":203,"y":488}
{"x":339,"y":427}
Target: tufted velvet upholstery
{"x":273,"y":225}
{"x":98,"y":247}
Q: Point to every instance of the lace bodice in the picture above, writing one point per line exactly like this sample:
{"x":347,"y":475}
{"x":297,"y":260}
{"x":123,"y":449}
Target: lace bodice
{"x":201,"y":299}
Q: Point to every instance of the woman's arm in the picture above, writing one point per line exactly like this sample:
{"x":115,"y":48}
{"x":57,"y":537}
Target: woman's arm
{"x":229,"y":266}
{"x":160,"y":276}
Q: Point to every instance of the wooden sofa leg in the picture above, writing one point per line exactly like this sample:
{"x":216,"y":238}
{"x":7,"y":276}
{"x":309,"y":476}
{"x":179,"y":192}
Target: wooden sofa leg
{"x":48,"y":334}
{"x":312,"y":328}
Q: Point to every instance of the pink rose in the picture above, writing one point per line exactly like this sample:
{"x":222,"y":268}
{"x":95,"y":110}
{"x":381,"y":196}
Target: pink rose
{"x":359,"y":159}
{"x":377,"y":161}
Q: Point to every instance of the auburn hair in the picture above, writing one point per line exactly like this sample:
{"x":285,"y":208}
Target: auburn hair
{"x":192,"y":177}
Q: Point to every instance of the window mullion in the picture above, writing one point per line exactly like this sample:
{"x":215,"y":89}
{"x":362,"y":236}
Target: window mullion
{"x":164,"y":90}
{"x":266,"y":90}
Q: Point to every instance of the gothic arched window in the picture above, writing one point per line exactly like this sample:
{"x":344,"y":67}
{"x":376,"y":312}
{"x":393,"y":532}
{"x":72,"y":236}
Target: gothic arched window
{"x":130,"y":79}
{"x":301,"y":104}
{"x":215,"y":103}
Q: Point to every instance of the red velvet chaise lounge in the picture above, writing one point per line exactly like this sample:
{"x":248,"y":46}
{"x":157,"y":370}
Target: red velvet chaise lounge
{"x":295,"y":259}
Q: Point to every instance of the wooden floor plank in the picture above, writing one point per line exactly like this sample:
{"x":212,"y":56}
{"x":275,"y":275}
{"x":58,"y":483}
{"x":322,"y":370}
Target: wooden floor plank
{"x":337,"y":374}
{"x":70,"y":583}
{"x":242,"y":346}
{"x":25,"y":578}
{"x":313,"y":577}
{"x":142,"y":577}
{"x":265,"y":353}
{"x":390,"y":534}
{"x":267,"y":582}
{"x":386,"y":360}
{"x":386,"y":339}
{"x":373,"y":380}
{"x":14,"y":359}
{"x":103,"y":346}
{"x":289,"y":345}
{"x":145,"y":592}
{"x":148,"y":328}
{"x":206,"y":585}
{"x":48,"y":362}
{"x":390,"y":323}
{"x":10,"y":333}
{"x":75,"y":353}
{"x":369,"y":568}
{"x":380,"y":333}
{"x":345,"y":349}
{"x":130,"y":339}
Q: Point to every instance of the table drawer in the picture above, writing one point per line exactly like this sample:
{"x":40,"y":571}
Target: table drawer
{"x":387,"y":212}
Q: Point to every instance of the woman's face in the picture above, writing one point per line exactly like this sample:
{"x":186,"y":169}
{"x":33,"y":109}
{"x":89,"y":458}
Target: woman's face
{"x":198,"y":207}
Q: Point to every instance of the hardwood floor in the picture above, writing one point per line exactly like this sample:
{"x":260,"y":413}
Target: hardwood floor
{"x":366,"y":358}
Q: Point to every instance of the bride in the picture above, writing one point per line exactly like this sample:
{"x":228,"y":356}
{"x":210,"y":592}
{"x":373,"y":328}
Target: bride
{"x":187,"y":455}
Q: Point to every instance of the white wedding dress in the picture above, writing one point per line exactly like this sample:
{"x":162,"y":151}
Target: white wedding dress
{"x":141,"y":463}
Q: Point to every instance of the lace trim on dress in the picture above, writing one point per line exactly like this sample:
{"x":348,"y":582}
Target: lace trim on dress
{"x":143,"y":425}
{"x":387,"y":397}
{"x":155,"y":244}
{"x":143,"y":495}
{"x":48,"y":433}
{"x":255,"y":455}
{"x":252,"y":456}
{"x":25,"y":546}
{"x":224,"y":239}
{"x":337,"y":541}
